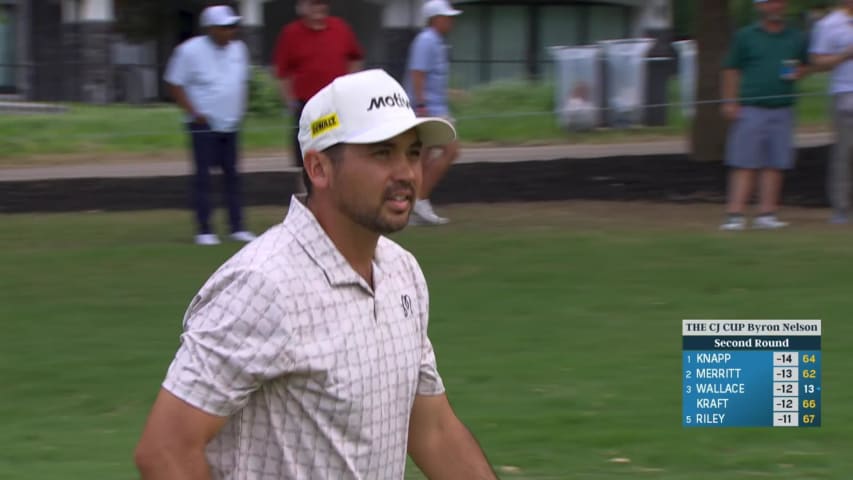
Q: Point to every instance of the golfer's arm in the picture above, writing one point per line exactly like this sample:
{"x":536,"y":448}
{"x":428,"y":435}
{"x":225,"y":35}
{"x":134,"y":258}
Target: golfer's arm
{"x":173,"y":441}
{"x":418,"y":82}
{"x":180,"y":96}
{"x":286,"y":90}
{"x":441,"y":446}
{"x":730,"y":85}
{"x":355,"y":66}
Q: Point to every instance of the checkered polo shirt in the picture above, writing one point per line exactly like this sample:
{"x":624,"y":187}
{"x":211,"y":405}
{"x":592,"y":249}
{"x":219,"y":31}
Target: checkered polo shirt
{"x":316,"y":371}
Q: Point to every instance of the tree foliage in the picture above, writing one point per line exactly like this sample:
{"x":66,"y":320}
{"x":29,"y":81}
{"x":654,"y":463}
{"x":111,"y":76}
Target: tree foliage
{"x":742,"y":12}
{"x":142,"y":19}
{"x":146,"y":19}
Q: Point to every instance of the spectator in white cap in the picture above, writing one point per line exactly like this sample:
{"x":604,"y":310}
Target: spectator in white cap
{"x":306,"y":355}
{"x":832,"y":50}
{"x":426,"y":81}
{"x":208,"y":77}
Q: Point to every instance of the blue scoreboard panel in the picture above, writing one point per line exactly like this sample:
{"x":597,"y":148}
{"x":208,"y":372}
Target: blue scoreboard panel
{"x":751,"y":373}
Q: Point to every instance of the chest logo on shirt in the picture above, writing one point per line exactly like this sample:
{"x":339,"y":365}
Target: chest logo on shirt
{"x":406,"y":303}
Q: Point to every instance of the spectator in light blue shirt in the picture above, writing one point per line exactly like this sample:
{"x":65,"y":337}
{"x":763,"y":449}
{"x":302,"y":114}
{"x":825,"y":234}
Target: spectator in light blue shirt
{"x":832,"y":49}
{"x":208,"y":77}
{"x":426,"y":82}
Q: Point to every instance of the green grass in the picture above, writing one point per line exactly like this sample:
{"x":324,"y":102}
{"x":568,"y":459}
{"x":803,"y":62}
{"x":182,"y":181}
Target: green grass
{"x":515,"y":112}
{"x":500,"y":113}
{"x":117,"y":129}
{"x":813,"y":109}
{"x":512,"y":112}
{"x":558,"y":336}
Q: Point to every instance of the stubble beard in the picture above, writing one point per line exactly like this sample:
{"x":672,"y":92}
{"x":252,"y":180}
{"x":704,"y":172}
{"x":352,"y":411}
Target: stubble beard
{"x":373,"y":220}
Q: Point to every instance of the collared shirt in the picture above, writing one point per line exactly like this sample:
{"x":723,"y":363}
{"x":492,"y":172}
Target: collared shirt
{"x":215,"y":79}
{"x":832,"y":36}
{"x":316,"y":372}
{"x":429,"y":53}
{"x":760,"y":56}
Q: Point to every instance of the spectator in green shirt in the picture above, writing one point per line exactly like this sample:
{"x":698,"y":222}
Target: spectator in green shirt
{"x":763,"y":64}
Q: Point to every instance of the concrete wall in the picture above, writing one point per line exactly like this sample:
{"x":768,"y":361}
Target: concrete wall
{"x":96,"y":76}
{"x":47,"y":60}
{"x":71,"y":42}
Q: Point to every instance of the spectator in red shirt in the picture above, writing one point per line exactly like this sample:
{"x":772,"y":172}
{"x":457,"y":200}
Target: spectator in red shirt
{"x":311,"y":52}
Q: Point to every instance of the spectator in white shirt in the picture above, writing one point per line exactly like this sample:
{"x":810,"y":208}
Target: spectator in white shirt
{"x":208,"y":76}
{"x":832,"y":49}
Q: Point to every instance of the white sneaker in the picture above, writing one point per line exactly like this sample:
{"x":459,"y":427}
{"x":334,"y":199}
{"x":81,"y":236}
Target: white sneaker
{"x":207,"y":239}
{"x":423,"y":214}
{"x":734,"y":224}
{"x":768,"y":222}
{"x":242,"y":236}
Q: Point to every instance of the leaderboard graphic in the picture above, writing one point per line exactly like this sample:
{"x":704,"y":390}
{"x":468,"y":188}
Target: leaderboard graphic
{"x":751,"y":373}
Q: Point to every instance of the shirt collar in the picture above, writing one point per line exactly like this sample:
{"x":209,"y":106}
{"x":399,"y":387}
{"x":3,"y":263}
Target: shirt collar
{"x":758,"y":25}
{"x":217,"y":46}
{"x":323,"y":26}
{"x":308,"y":232}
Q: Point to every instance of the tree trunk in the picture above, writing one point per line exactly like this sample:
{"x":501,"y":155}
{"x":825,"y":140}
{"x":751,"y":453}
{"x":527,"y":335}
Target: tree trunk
{"x":708,"y":138}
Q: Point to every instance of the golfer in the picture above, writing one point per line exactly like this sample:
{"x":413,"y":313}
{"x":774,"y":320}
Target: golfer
{"x":306,"y":355}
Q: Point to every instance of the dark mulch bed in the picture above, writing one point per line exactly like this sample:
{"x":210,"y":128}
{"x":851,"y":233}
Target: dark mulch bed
{"x":661,"y":178}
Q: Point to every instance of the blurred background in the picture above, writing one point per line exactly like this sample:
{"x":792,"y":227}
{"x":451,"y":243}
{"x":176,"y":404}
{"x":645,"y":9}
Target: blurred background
{"x":560,"y":66}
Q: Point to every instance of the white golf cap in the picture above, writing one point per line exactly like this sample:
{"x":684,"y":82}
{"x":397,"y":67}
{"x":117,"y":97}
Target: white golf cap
{"x":365,"y":107}
{"x":435,"y":8}
{"x":219,"y":16}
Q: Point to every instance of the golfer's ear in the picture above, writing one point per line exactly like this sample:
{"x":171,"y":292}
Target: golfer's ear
{"x":318,"y":167}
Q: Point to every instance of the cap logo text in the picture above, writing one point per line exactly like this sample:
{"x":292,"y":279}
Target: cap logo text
{"x":324,"y":124}
{"x":395,"y":100}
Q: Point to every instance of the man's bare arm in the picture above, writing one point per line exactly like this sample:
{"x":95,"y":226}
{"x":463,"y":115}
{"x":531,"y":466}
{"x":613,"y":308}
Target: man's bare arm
{"x":173,"y":441}
{"x":829,"y":62}
{"x":729,"y":93}
{"x":441,"y":446}
{"x":418,"y":85}
{"x":355,"y":66}
{"x":286,"y":91}
{"x":730,"y":84}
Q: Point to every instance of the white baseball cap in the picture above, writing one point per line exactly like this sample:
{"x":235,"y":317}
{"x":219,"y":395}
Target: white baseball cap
{"x":435,"y":8}
{"x":219,"y":16}
{"x":362,"y":108}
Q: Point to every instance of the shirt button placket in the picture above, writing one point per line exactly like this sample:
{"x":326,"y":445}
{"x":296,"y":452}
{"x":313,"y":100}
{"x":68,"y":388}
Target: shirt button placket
{"x":374,"y":310}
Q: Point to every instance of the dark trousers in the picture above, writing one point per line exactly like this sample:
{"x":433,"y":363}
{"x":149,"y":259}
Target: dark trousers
{"x":215,"y":149}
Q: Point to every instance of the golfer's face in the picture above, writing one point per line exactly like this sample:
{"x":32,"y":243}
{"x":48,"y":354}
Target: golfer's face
{"x":376,"y":185}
